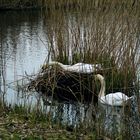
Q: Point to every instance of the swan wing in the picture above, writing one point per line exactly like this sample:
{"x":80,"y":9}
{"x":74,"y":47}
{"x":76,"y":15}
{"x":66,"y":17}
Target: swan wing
{"x":83,"y":68}
{"x":78,"y":64}
{"x":80,"y":68}
{"x":120,"y":95}
{"x":115,"y":99}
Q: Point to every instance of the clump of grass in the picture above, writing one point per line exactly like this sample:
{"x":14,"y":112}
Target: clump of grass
{"x":17,"y":125}
{"x":21,"y":122}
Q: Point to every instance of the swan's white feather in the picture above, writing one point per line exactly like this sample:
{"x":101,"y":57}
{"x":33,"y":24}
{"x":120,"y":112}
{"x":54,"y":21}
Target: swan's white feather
{"x":114,"y":99}
{"x":79,"y":67}
{"x":83,"y":68}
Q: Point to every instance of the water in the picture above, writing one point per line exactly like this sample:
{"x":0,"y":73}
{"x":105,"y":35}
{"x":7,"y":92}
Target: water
{"x":22,"y":49}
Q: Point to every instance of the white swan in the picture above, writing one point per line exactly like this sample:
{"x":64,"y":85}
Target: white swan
{"x":79,"y":67}
{"x":113,"y":99}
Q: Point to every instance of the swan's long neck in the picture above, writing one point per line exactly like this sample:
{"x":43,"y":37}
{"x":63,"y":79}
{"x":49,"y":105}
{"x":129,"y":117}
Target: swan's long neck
{"x":56,"y":63}
{"x":102,"y":90}
{"x":64,"y":67}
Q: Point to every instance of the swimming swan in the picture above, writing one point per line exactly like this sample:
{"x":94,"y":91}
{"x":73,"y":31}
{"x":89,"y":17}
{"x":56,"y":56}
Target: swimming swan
{"x":78,"y":67}
{"x":113,"y":99}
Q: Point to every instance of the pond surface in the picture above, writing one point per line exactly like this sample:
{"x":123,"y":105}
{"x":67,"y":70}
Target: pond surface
{"x":22,"y":49}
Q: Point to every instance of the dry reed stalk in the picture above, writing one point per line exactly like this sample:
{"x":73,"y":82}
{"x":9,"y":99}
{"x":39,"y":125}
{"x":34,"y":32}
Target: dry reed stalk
{"x":109,"y":38}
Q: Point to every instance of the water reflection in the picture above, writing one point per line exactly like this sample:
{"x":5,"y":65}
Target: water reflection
{"x":71,"y":114}
{"x":22,"y":48}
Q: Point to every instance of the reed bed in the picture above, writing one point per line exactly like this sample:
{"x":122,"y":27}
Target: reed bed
{"x":108,"y":35}
{"x":110,"y":39}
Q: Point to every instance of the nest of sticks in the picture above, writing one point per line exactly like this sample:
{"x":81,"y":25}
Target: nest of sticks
{"x":65,"y":86}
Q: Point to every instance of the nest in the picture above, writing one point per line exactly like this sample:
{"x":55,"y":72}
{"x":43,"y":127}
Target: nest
{"x":66,"y":86}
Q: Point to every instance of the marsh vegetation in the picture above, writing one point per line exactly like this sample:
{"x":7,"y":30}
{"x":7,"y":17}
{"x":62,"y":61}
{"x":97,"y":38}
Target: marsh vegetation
{"x":101,"y":31}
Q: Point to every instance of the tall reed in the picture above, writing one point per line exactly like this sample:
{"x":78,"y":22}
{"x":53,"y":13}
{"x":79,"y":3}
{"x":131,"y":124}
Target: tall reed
{"x":109,"y":38}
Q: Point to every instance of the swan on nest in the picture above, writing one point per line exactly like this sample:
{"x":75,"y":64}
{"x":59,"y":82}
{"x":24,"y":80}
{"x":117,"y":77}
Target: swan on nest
{"x":78,"y":67}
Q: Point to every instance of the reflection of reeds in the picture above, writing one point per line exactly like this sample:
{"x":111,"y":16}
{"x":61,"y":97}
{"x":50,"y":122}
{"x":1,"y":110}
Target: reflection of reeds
{"x":2,"y":73}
